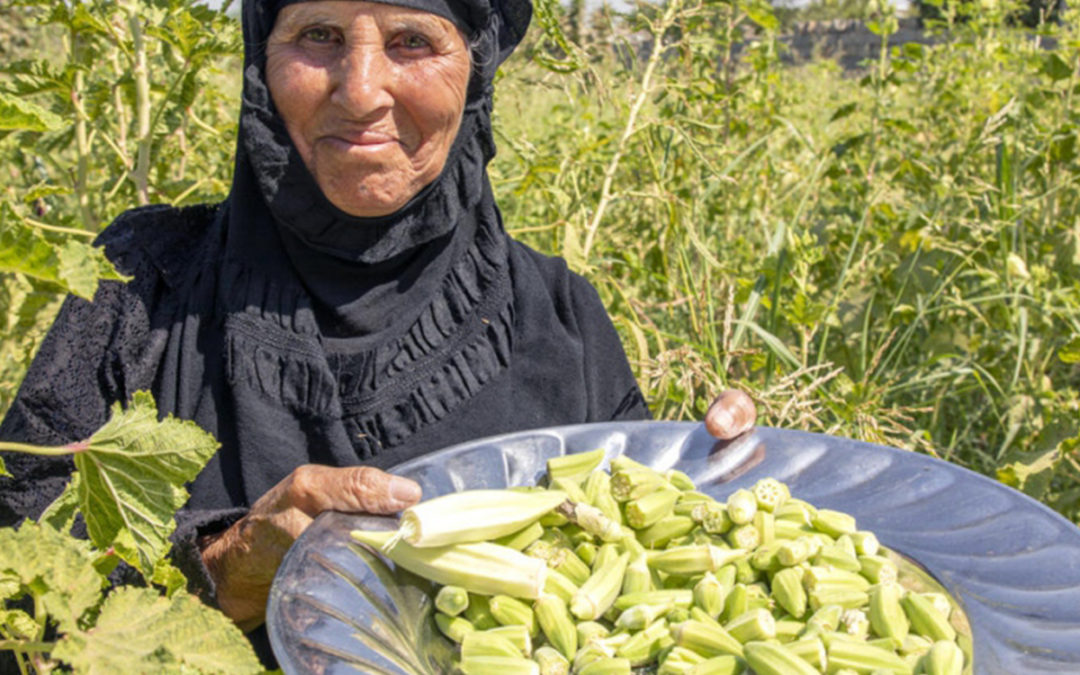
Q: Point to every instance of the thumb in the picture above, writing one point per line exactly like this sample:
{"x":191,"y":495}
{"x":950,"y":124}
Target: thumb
{"x":369,"y":490}
{"x":731,"y":414}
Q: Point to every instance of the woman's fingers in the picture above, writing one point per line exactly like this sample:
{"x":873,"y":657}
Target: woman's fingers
{"x":731,"y":413}
{"x":356,"y":489}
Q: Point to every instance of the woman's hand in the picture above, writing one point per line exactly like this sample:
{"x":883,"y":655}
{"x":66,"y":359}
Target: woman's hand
{"x":244,"y":558}
{"x":730,"y":414}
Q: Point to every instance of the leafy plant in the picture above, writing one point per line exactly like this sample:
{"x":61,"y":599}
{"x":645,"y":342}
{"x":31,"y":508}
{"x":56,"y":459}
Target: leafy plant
{"x":127,"y":485}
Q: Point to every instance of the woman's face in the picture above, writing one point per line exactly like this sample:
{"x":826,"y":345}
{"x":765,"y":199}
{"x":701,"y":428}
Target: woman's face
{"x":372,"y":96}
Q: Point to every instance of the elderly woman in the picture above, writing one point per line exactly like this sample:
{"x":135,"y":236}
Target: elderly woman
{"x":354,"y":303}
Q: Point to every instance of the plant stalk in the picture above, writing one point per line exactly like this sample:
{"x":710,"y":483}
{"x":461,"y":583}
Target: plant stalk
{"x":44,"y":451}
{"x":82,"y":145}
{"x":143,"y":137}
{"x":670,"y":12}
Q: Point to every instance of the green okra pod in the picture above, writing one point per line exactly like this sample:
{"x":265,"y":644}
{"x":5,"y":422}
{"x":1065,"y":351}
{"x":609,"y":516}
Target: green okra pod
{"x":788,"y":591}
{"x":576,"y":466}
{"x":943,"y":658}
{"x":770,"y":494}
{"x":752,"y":625}
{"x":452,"y":600}
{"x":741,"y":507}
{"x":925,"y":619}
{"x":707,"y":638}
{"x":718,"y":665}
{"x":556,"y":624}
{"x":598,"y":593}
{"x":663,"y":531}
{"x":453,"y":627}
{"x":551,"y":662}
{"x":710,"y":593}
{"x":887,"y":616}
{"x":510,"y":611}
{"x":772,"y":659}
{"x":482,"y":643}
{"x":650,"y":508}
{"x":499,"y":665}
{"x":865,"y":658}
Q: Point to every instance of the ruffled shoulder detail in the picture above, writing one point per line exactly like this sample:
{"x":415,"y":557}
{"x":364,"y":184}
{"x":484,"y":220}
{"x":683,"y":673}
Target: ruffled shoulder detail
{"x":168,"y":237}
{"x":400,"y":383}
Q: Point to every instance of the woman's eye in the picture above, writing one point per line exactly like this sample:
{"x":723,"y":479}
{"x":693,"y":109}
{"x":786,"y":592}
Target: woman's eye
{"x":319,"y":35}
{"x":413,"y":41}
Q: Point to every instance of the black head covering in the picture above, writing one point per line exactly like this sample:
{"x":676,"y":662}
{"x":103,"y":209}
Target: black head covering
{"x":267,"y":156}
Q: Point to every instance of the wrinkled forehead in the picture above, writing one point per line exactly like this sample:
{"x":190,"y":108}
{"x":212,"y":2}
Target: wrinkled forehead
{"x":468,"y":15}
{"x":494,"y":27}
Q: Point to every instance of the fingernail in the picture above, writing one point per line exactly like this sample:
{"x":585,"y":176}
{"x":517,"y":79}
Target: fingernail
{"x":404,"y":491}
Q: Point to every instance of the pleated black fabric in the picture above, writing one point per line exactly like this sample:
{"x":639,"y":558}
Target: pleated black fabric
{"x":296,"y":333}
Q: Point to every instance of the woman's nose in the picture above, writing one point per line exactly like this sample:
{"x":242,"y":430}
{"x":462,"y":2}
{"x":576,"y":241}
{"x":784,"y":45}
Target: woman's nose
{"x":363,"y":81}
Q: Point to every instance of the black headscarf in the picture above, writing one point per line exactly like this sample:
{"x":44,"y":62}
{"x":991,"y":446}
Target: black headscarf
{"x":388,"y":261}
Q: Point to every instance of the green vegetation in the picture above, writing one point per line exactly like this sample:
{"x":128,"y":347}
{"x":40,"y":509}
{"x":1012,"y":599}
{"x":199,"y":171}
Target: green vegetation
{"x":128,"y":483}
{"x":891,"y":255}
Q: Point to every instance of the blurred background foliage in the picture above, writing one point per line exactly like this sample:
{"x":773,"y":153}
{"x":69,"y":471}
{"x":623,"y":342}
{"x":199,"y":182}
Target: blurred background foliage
{"x":890,"y":253}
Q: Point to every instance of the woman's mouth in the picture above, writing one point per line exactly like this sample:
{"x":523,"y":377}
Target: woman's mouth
{"x":361,"y":139}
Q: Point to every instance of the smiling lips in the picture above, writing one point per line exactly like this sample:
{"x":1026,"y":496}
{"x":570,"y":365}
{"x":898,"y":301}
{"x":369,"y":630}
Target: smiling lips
{"x":370,"y":139}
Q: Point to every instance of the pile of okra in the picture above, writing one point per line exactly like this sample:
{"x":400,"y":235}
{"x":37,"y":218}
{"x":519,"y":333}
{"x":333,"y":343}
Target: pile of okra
{"x":641,"y":571}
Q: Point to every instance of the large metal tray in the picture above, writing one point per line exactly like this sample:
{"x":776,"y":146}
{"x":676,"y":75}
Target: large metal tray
{"x":1012,"y":564}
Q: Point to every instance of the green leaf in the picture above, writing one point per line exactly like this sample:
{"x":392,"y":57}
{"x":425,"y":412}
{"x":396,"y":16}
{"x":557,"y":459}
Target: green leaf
{"x":133,"y":470}
{"x":60,"y":515}
{"x":57,"y":567}
{"x":18,"y":624}
{"x":74,"y":265}
{"x":1055,"y":67}
{"x":140,"y":631}
{"x":3,"y":470}
{"x":19,"y":115}
{"x":9,"y":586}
{"x":168,"y":577}
{"x":79,"y":267}
{"x":762,"y":14}
{"x":23,"y":249}
{"x":843,"y":111}
{"x":1070,"y":353}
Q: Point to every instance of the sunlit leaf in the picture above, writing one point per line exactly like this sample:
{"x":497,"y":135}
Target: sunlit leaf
{"x":79,"y":267}
{"x":19,"y":624}
{"x":60,"y":515}
{"x":140,"y":631}
{"x":20,"y":115}
{"x":133,"y":471}
{"x":74,"y":264}
{"x":1070,"y":353}
{"x":58,"y":566}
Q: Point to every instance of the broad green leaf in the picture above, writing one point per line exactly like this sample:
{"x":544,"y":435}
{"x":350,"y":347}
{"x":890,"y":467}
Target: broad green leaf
{"x":57,"y":567}
{"x":140,"y":631}
{"x":23,"y":249}
{"x":133,"y":470}
{"x":9,"y":585}
{"x":75,"y":265}
{"x":18,"y":624}
{"x":79,"y":267}
{"x":19,"y":115}
{"x":1055,"y":67}
{"x":60,"y":515}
